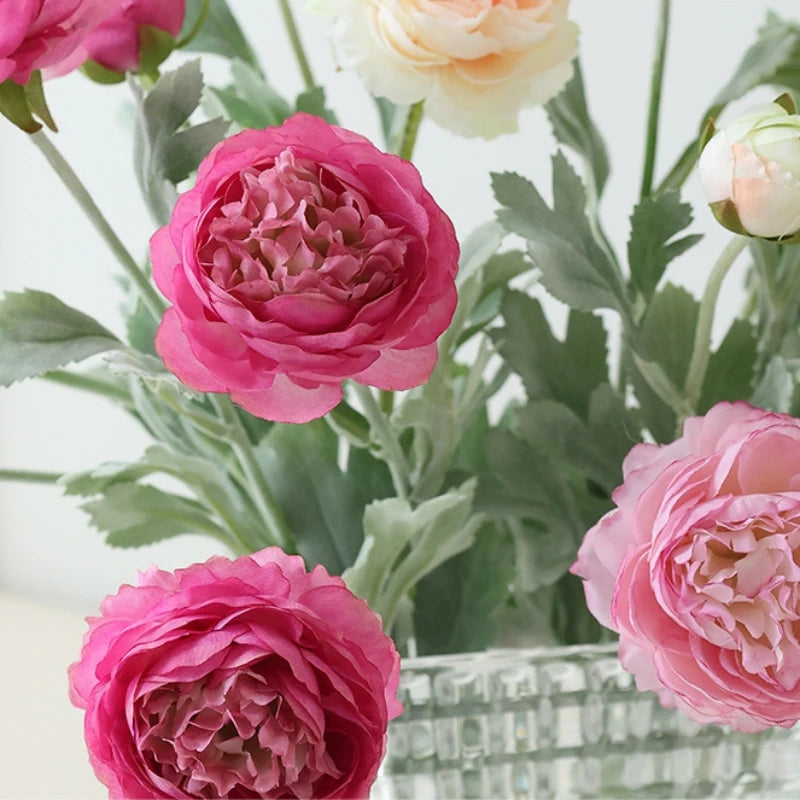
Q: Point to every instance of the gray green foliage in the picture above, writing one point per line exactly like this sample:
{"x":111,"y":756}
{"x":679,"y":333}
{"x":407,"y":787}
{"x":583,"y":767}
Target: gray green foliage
{"x":165,"y":150}
{"x":39,"y":333}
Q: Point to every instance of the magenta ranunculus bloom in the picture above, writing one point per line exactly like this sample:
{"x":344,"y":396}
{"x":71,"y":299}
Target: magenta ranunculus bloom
{"x":245,"y":678}
{"x":44,"y":34}
{"x":303,"y":256}
{"x":698,"y":568}
{"x":116,"y":42}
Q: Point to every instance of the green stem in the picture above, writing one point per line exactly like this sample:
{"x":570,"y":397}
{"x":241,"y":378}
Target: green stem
{"x":151,"y":298}
{"x":29,"y":476}
{"x":415,"y":114}
{"x":297,"y":44}
{"x":261,"y":494}
{"x":89,"y":384}
{"x":195,"y":29}
{"x":391,"y":450}
{"x":657,"y":79}
{"x":701,"y":352}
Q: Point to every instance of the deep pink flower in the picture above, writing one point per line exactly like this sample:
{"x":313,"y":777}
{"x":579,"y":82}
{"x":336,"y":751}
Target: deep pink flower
{"x":116,"y":42}
{"x":43,"y":34}
{"x":245,"y":678}
{"x":698,"y":568}
{"x":303,"y":256}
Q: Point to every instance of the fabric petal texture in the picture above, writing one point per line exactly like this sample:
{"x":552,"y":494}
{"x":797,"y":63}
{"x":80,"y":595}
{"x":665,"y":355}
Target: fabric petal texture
{"x":243,"y":678}
{"x":303,"y":256}
{"x":698,"y":568}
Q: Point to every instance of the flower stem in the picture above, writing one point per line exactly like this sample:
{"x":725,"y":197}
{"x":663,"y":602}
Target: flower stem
{"x":196,"y":27}
{"x":260,"y":492}
{"x":29,"y":476}
{"x":150,"y":297}
{"x":657,"y":79}
{"x":701,"y":352}
{"x":413,"y":121}
{"x":88,"y":384}
{"x":297,"y":44}
{"x":392,"y":452}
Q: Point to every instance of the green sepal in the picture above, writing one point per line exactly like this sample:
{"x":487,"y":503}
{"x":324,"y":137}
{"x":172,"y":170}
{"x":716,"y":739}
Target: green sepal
{"x":100,"y":74}
{"x":14,"y":106}
{"x":34,"y":94}
{"x":155,"y":46}
{"x":786,"y":102}
{"x":709,"y":129}
{"x":725,"y":213}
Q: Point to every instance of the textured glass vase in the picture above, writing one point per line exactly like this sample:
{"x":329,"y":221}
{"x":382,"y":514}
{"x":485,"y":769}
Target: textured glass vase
{"x":562,"y":723}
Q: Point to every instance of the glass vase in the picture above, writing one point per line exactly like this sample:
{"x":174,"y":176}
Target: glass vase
{"x":563,"y":723}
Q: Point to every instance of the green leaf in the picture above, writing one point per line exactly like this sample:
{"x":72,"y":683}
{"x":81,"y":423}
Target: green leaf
{"x":250,"y":101}
{"x":772,"y":59}
{"x":313,"y":101}
{"x":132,"y":514}
{"x":565,"y":371}
{"x":393,"y":121}
{"x":15,"y":107}
{"x":220,"y":34}
{"x":39,"y":333}
{"x":594,"y":449}
{"x":322,"y":505}
{"x":573,"y":126}
{"x":729,"y":375}
{"x":667,"y":338}
{"x":165,"y":151}
{"x":91,"y":482}
{"x":402,"y":545}
{"x":655,"y":222}
{"x":454,"y":604}
{"x":542,"y":555}
{"x":573,"y":267}
{"x":776,"y":390}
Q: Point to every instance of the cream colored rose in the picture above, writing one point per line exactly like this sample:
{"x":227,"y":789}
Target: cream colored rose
{"x":476,"y":63}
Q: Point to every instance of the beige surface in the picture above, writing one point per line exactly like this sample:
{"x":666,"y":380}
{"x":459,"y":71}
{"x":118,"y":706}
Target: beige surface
{"x":42,"y":754}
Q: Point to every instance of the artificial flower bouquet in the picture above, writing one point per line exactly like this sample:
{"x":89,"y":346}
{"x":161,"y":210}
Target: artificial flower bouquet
{"x":327,"y":375}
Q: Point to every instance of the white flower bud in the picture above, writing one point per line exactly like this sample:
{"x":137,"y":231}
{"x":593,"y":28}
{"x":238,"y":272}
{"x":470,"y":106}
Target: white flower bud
{"x":750,"y":171}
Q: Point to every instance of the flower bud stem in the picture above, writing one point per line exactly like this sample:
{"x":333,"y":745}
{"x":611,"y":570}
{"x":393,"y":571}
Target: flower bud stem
{"x":29,"y":476}
{"x":155,"y":304}
{"x":701,"y":352}
{"x":260,"y":493}
{"x":297,"y":44}
{"x":384,"y":436}
{"x":656,"y":81}
{"x":415,"y":114}
{"x":191,"y":34}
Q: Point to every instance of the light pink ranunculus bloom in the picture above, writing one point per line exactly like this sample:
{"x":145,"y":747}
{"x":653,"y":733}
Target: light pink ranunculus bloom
{"x":116,"y":42}
{"x":245,"y":678}
{"x":303,"y":256}
{"x":43,"y":34}
{"x":698,"y":568}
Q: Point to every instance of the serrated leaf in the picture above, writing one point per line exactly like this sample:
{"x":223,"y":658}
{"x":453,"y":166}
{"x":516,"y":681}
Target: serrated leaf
{"x":186,"y":149}
{"x":220,"y":34}
{"x":90,"y":482}
{"x":321,"y":504}
{"x":565,"y":371}
{"x":454,"y":604}
{"x":776,"y":389}
{"x":573,"y":126}
{"x":573,"y":267}
{"x":771,"y":59}
{"x":593,"y":449}
{"x":162,"y":152}
{"x":667,"y":337}
{"x":655,"y":222}
{"x":132,"y":514}
{"x":39,"y":333}
{"x":729,"y":375}
{"x":402,"y":545}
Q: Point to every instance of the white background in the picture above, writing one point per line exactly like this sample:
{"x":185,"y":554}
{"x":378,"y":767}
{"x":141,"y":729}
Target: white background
{"x":48,"y":553}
